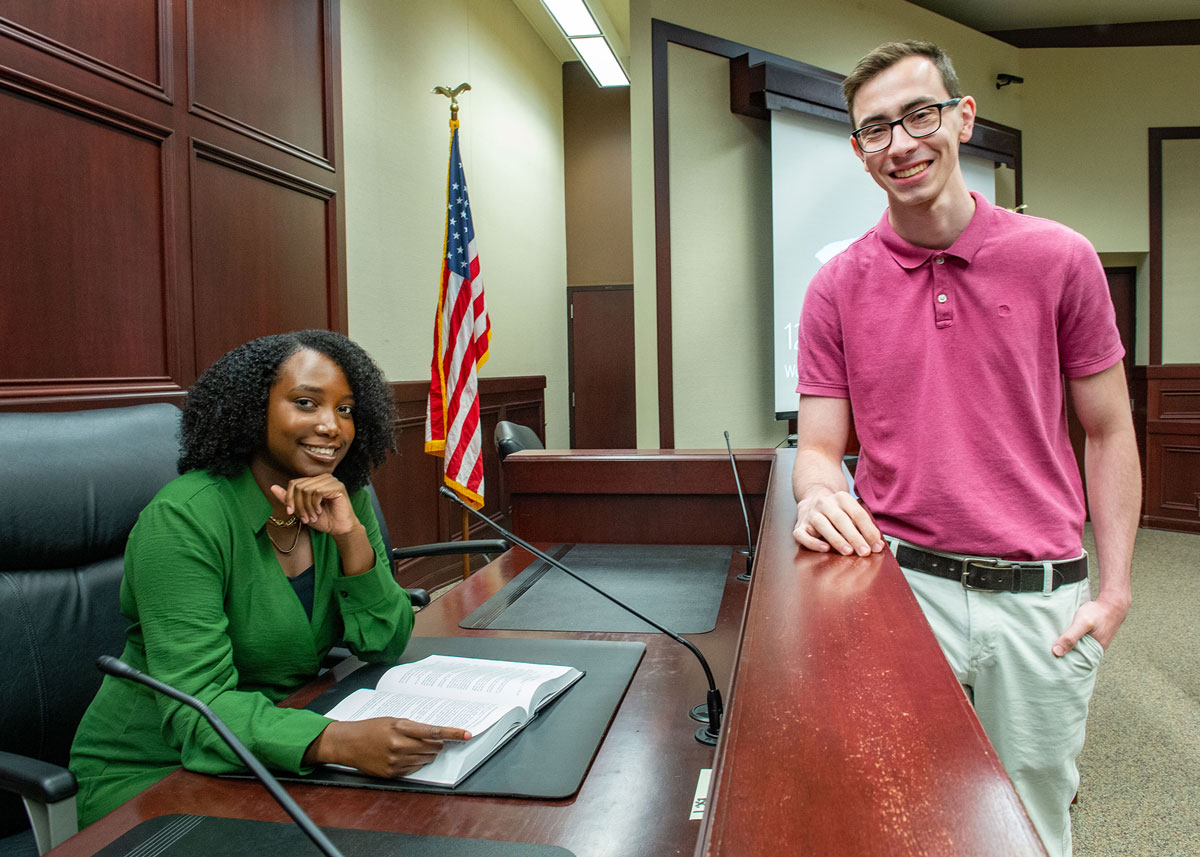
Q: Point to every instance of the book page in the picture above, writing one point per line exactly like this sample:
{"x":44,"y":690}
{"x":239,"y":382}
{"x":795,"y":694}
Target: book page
{"x":472,"y":715}
{"x":472,"y":678}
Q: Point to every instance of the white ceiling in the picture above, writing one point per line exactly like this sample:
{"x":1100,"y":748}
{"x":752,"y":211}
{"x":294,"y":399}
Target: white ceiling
{"x":988,"y":15}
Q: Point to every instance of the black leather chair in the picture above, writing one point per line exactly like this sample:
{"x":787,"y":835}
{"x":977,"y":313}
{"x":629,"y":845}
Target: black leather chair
{"x":420,"y":597}
{"x":69,"y":499}
{"x":513,"y":437}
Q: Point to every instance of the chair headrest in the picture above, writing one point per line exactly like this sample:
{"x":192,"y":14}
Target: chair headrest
{"x":513,"y":437}
{"x":75,"y":483}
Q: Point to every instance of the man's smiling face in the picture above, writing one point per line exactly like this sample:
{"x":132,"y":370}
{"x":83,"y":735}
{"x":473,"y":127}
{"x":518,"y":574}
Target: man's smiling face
{"x":913,"y":172}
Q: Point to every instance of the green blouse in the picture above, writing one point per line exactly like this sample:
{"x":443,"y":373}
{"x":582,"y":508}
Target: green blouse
{"x":211,"y":612}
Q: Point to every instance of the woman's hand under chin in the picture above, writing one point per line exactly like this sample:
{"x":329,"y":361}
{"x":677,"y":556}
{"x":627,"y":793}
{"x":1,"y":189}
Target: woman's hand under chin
{"x":321,"y":502}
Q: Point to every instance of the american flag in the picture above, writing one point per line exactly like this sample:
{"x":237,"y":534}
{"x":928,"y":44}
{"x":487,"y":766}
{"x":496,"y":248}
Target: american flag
{"x":461,"y":334}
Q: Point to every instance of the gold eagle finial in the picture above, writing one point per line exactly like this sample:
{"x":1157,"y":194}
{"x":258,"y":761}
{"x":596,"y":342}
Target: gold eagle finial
{"x":452,"y":94}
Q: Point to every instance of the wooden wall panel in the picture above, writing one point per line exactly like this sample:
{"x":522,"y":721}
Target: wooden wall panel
{"x":173,"y":170}
{"x":124,"y":40}
{"x":1171,"y":446}
{"x":619,"y":496}
{"x":273,"y":43}
{"x":86,"y":240}
{"x":260,"y":254}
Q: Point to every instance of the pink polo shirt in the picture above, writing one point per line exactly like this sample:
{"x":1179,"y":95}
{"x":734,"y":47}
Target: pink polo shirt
{"x":953,"y":361}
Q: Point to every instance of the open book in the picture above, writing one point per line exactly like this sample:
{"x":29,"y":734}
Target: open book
{"x":493,"y":700}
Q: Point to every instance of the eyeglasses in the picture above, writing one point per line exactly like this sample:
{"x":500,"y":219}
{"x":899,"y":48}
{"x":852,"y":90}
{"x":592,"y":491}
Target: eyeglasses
{"x":919,"y":123}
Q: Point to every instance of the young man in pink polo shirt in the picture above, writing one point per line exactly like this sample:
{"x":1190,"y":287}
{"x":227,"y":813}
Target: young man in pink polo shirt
{"x":949,"y":327}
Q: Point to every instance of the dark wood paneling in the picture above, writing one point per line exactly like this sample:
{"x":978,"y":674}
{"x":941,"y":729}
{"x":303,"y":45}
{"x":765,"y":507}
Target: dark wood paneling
{"x":85,"y":241}
{"x":620,"y":498}
{"x":103,"y":305}
{"x":124,"y":40}
{"x":281,"y":45}
{"x":1172,"y":447}
{"x":256,"y":266}
{"x":408,"y":483}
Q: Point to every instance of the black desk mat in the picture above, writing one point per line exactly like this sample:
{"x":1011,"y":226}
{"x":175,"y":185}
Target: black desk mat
{"x":679,"y":586}
{"x":208,"y":836}
{"x":549,"y":757}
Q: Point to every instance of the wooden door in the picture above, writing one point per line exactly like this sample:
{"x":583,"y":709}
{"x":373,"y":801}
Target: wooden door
{"x":600,"y":367}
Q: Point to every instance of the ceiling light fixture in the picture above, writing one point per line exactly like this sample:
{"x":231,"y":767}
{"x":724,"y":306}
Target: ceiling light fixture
{"x":579,"y":26}
{"x":572,"y":17}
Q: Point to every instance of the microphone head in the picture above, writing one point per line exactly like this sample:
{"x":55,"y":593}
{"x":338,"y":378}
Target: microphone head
{"x":448,"y":494}
{"x":115,"y":667}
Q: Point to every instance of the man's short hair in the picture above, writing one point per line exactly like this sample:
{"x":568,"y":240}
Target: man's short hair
{"x":887,"y":55}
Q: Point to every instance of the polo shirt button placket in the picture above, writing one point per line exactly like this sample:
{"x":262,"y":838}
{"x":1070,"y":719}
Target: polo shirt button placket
{"x":942,"y":313}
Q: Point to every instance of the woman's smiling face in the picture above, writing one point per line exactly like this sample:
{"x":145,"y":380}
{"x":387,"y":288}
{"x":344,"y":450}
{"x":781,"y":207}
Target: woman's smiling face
{"x":310,"y":418}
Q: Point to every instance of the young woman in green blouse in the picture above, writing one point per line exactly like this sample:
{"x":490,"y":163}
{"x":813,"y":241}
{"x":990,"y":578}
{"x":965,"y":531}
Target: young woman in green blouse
{"x":242,"y":573}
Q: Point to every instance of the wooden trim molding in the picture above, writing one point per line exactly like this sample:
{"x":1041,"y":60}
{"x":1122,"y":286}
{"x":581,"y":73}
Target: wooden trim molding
{"x":1141,"y":33}
{"x":759,"y":83}
{"x":1156,"y":137}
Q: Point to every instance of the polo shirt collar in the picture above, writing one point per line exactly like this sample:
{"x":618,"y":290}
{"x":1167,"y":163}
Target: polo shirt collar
{"x":252,"y":504}
{"x":964,"y":247}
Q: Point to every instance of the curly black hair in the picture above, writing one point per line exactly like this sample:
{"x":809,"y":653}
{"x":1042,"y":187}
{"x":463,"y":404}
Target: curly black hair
{"x":225,"y":413}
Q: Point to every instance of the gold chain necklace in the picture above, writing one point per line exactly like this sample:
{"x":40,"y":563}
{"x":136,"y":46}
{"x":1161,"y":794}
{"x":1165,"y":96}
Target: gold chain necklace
{"x":280,"y":523}
{"x":295,"y":541}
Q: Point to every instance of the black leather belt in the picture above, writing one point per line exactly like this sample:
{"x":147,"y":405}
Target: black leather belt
{"x":993,"y":575}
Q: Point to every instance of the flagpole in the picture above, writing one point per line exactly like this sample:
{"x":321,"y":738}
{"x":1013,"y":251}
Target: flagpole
{"x":466,"y":534}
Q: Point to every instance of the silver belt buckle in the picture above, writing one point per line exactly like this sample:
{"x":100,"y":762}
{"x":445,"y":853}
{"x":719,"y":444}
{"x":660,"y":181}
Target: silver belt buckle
{"x":983,"y":562}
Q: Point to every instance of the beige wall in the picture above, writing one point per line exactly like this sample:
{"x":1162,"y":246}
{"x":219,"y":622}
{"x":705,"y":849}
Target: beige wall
{"x":1084,"y":134}
{"x":396,"y":139}
{"x":721,"y":299}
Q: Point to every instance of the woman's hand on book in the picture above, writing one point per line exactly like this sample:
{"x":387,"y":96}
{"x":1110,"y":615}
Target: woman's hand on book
{"x":381,"y":746}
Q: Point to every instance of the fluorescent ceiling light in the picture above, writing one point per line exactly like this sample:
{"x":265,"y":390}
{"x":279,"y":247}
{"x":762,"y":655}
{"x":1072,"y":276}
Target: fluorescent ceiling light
{"x":600,"y":60}
{"x":573,"y":17}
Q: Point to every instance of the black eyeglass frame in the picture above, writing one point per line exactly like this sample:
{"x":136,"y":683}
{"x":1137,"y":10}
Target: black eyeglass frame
{"x":891,"y":126}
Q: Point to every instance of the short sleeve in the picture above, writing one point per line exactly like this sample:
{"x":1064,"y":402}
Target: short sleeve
{"x":1088,"y":338}
{"x":820,"y":357}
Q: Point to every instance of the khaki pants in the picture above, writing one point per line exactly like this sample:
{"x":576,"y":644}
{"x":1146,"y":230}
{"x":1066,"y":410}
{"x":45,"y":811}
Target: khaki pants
{"x":1032,"y":704}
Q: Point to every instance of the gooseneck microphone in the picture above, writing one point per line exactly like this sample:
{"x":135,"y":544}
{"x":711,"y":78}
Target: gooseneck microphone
{"x":120,"y":669}
{"x":744,"y":576}
{"x":705,"y":734}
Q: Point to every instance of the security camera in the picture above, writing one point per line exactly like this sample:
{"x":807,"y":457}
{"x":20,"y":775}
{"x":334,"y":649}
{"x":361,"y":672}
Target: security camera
{"x":1005,"y":79}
